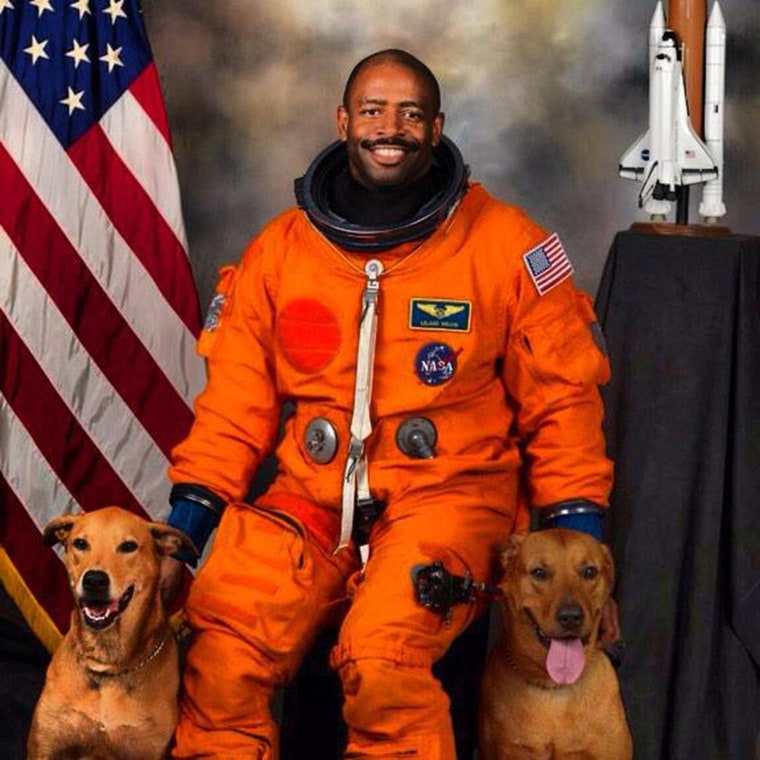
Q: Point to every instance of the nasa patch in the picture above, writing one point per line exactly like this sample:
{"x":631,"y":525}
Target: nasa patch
{"x":435,"y":363}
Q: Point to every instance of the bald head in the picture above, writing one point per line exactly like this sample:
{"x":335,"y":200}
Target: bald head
{"x":401,"y":58}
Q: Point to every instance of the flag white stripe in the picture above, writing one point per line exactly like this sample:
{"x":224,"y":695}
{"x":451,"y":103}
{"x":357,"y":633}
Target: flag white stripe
{"x":28,"y":473}
{"x":547,"y":282}
{"x":141,"y":146}
{"x":96,"y":405}
{"x":550,"y":274}
{"x":46,"y":166}
{"x":553,"y":271}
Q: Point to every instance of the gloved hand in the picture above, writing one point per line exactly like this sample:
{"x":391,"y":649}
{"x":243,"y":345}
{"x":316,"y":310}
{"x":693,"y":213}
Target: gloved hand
{"x":576,"y":514}
{"x":196,"y":512}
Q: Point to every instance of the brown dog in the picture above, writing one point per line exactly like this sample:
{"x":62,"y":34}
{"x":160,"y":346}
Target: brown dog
{"x":549,"y":692}
{"x":111,"y":687}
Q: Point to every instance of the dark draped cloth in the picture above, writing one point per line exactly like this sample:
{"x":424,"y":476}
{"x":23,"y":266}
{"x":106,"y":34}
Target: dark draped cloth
{"x":682,"y":320}
{"x":23,"y":662}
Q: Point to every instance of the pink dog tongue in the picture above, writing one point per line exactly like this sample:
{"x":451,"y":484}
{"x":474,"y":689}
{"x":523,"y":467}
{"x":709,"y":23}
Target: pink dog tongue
{"x":565,"y":660}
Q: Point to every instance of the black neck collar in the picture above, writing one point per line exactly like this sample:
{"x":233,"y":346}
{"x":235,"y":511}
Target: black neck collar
{"x":371,"y":207}
{"x":376,"y":220}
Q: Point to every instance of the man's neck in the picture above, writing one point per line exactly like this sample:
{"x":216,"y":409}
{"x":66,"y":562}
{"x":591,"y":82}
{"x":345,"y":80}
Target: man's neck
{"x":381,"y":205}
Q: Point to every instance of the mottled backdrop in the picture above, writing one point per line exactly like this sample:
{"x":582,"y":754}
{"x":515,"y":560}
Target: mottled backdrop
{"x":542,"y":97}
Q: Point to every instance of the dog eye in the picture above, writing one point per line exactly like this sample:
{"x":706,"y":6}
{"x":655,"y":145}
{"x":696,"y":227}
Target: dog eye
{"x":590,"y":572}
{"x":80,"y":544}
{"x":539,"y":573}
{"x":127,"y":547}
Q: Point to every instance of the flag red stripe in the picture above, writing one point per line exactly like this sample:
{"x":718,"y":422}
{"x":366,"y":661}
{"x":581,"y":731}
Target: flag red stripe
{"x":559,"y":259}
{"x":135,"y":216}
{"x":552,"y":274}
{"x":146,"y":89}
{"x":42,"y":570}
{"x":101,"y":329}
{"x":67,"y":448}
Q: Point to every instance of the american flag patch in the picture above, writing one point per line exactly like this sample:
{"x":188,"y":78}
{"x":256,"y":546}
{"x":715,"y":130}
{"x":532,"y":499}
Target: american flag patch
{"x":548,"y":264}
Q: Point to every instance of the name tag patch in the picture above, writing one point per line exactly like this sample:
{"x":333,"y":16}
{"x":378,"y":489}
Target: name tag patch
{"x":430,"y":314}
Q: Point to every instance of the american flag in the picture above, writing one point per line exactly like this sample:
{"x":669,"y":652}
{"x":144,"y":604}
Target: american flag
{"x":548,"y":264}
{"x":98,"y":308}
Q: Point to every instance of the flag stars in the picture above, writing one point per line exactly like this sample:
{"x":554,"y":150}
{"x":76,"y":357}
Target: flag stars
{"x":82,"y":6}
{"x":37,"y":50}
{"x":78,"y":53}
{"x":73,"y":101}
{"x":115,"y":10}
{"x":5,"y":4}
{"x":111,"y":57}
{"x":41,"y":6}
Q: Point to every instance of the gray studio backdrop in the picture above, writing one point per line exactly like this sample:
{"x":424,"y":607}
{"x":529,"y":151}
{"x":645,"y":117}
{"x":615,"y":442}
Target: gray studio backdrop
{"x":542,"y":96}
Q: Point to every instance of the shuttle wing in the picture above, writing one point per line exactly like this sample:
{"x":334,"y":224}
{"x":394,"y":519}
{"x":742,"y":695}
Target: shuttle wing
{"x":694,"y":159}
{"x":635,"y":161}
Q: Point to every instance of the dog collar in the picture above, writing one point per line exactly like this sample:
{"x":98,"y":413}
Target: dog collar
{"x":147,"y":659}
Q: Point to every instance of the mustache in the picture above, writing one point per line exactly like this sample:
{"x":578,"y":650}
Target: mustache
{"x":398,"y":142}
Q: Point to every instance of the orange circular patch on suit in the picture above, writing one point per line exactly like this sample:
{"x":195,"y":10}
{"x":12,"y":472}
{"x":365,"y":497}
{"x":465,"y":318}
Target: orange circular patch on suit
{"x":308,"y":335}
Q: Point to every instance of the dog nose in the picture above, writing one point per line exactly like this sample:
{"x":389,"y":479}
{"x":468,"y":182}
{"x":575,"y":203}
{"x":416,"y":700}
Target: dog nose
{"x":570,"y":616}
{"x":96,"y":582}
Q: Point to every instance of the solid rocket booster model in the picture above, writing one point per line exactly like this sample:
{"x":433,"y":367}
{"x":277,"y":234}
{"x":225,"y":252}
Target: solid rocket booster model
{"x":712,"y":206}
{"x":670,"y":155}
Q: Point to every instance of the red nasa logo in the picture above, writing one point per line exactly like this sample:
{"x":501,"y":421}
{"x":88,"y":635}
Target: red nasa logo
{"x":435,"y":363}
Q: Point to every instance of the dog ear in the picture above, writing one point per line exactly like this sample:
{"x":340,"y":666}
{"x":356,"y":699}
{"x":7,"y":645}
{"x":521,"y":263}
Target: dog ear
{"x":58,"y":529}
{"x":608,"y":567}
{"x":510,"y":552}
{"x":169,"y":540}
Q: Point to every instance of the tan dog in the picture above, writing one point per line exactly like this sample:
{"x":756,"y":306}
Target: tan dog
{"x":549,"y":693}
{"x":111,"y":687}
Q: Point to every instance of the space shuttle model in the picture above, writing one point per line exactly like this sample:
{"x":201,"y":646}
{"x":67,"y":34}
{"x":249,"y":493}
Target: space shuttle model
{"x":670,"y":156}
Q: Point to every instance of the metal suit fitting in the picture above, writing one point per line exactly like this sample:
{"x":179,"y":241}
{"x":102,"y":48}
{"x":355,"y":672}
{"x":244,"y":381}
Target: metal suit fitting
{"x":416,"y":437}
{"x":321,"y":440}
{"x":439,"y":590}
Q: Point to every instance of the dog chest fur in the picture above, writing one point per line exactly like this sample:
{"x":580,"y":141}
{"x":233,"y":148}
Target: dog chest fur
{"x":582,"y":720}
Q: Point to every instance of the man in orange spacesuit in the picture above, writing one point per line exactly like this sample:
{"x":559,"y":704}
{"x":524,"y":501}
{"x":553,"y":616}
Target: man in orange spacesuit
{"x":442,"y":370}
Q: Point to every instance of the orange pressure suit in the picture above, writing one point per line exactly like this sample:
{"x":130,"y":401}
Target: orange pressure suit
{"x":507,"y":377}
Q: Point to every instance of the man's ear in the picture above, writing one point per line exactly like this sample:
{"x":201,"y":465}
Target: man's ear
{"x":341,"y":118}
{"x":438,"y":122}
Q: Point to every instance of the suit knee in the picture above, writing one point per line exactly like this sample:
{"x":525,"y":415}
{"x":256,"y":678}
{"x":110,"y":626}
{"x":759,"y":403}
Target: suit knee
{"x":386,"y":697}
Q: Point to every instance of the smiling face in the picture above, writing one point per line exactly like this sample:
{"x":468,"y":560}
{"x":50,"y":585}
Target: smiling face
{"x":389,"y":124}
{"x":112,"y":559}
{"x":555,"y":584}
